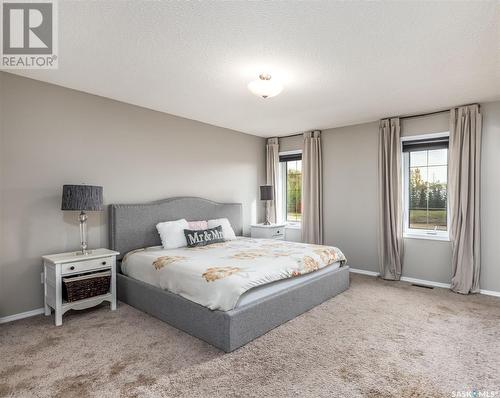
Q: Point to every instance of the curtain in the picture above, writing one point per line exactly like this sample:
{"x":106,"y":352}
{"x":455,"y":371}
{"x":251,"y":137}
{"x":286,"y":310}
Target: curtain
{"x":272,"y":164}
{"x":312,"y":189}
{"x":464,"y":171}
{"x":390,"y":200}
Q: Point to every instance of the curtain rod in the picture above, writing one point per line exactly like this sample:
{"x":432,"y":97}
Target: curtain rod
{"x":422,"y":114}
{"x":403,"y":117}
{"x":295,"y":135}
{"x":291,"y":135}
{"x":430,"y":113}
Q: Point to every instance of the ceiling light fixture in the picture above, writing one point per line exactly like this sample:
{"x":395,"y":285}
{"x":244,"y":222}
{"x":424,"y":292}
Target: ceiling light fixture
{"x":264,"y":87}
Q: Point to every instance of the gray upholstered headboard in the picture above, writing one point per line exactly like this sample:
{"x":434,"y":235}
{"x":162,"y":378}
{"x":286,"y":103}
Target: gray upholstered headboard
{"x":134,"y":226}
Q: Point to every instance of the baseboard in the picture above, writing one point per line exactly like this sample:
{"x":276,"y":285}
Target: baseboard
{"x":404,"y":278}
{"x":489,"y":293}
{"x":363,"y":272}
{"x":425,"y":282}
{"x":422,"y":281}
{"x":21,"y":315}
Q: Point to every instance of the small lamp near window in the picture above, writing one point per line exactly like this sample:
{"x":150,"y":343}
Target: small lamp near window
{"x":266,"y":194}
{"x":82,"y":198}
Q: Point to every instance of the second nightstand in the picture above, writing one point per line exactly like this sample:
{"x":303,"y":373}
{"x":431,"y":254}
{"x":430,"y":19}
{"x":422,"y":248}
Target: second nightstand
{"x":57,"y":266}
{"x":273,"y":231}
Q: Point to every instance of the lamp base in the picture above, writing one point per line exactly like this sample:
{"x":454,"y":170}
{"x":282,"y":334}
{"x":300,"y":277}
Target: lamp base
{"x":267,"y":222}
{"x":83,"y":253}
{"x":83,"y":235}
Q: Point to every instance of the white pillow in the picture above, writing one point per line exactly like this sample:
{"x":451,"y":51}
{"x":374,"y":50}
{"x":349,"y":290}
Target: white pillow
{"x":172,"y":233}
{"x":227,"y":230}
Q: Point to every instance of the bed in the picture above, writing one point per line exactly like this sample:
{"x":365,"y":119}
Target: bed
{"x":228,"y":326}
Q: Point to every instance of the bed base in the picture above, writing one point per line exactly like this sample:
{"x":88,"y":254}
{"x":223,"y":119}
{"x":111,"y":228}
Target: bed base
{"x":229,"y":330}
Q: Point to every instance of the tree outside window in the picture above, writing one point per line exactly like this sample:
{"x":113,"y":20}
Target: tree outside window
{"x":294,"y":191}
{"x":428,"y":189}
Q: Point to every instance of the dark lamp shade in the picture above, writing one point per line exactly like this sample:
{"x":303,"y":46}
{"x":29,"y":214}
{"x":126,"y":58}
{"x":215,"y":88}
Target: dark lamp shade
{"x":266,"y":192}
{"x":81,"y":197}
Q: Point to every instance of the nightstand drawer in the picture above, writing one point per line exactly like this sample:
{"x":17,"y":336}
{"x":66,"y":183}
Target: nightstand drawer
{"x":86,"y":265}
{"x":279,"y":232}
{"x":273,"y":231}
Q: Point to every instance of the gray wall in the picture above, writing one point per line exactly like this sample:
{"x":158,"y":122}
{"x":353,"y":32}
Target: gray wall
{"x":490,"y":191}
{"x":350,"y":197}
{"x":350,"y":192}
{"x":52,"y":136}
{"x":2,"y":280}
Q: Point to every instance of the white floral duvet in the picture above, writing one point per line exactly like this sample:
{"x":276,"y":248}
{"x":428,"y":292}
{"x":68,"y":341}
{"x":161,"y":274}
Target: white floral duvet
{"x":215,"y":276}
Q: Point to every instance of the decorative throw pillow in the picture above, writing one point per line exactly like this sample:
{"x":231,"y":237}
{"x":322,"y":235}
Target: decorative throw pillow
{"x":227,"y":230}
{"x":197,"y":225}
{"x":172,"y":233}
{"x":205,"y":237}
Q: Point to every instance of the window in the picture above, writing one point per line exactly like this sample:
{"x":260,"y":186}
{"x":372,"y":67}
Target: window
{"x":425,"y":174}
{"x":291,"y":186}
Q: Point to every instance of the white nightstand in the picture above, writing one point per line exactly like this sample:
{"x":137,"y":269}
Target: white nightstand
{"x":57,"y":266}
{"x":273,"y":231}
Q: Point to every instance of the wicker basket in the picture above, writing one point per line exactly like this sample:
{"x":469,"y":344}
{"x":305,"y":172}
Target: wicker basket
{"x":84,"y":286}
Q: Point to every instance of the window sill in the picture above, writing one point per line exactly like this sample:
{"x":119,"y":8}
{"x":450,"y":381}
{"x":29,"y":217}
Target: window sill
{"x":293,"y":226}
{"x":409,"y":235}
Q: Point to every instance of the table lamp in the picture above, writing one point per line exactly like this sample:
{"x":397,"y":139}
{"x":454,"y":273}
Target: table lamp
{"x":82,"y":198}
{"x":266,"y":193}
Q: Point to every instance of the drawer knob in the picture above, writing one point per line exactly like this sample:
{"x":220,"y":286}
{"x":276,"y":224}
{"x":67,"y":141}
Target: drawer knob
{"x":72,"y":267}
{"x":278,"y":231}
{"x":103,"y":263}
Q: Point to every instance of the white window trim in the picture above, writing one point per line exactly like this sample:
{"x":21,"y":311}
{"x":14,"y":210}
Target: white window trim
{"x":281,"y":203}
{"x":411,"y":233}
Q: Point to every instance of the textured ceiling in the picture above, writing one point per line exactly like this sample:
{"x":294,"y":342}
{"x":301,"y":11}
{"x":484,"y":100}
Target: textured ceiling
{"x":341,"y":62}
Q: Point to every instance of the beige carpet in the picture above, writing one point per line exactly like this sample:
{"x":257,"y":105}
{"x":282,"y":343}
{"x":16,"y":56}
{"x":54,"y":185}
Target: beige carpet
{"x":378,"y":339}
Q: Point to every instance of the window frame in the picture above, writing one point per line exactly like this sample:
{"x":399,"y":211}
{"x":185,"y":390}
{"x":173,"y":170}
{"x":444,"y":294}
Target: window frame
{"x":414,"y":233}
{"x":282,"y":192}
